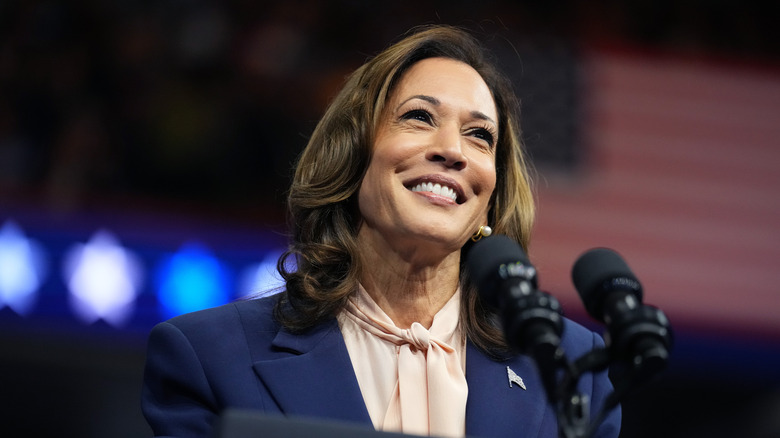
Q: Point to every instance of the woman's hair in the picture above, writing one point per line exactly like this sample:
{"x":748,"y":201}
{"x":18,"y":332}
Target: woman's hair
{"x":322,"y":201}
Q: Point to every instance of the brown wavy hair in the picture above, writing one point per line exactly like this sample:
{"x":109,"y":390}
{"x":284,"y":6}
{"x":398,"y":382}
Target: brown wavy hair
{"x":322,"y":200}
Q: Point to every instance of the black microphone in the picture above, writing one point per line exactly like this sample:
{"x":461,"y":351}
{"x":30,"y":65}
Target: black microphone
{"x":506,"y":281}
{"x":637,"y":333}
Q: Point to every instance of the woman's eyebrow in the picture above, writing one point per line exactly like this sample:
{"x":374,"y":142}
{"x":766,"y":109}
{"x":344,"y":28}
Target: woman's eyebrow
{"x":482,"y":116}
{"x":436,"y":102}
{"x":430,"y":99}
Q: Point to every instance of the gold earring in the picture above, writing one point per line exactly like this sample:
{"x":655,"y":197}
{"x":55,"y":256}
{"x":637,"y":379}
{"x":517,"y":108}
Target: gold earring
{"x":483,"y":231}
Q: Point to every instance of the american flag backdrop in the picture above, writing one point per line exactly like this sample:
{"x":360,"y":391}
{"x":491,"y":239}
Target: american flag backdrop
{"x":681,"y":177}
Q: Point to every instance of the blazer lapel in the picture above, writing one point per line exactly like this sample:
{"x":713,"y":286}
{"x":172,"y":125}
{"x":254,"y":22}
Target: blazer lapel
{"x":313,"y":376}
{"x":496,"y":409}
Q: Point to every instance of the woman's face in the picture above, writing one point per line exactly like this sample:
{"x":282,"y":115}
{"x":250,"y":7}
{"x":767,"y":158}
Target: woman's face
{"x":432,"y":171}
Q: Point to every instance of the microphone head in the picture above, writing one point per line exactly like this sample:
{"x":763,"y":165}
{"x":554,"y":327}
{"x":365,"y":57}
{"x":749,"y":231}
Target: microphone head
{"x":600,"y":272}
{"x":493,"y":259}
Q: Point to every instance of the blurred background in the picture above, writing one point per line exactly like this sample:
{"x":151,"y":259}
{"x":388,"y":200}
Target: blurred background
{"x":146,"y":146}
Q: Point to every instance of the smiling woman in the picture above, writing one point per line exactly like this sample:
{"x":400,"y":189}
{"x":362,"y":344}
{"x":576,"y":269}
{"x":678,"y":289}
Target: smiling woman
{"x":379,"y":100}
{"x":378,"y":324}
{"x":437,"y":136}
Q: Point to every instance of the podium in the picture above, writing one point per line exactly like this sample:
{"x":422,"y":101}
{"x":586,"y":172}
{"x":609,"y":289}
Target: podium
{"x":238,"y":423}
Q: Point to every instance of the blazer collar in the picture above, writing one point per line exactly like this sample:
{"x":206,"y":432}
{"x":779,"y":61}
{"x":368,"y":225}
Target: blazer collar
{"x":311,"y":375}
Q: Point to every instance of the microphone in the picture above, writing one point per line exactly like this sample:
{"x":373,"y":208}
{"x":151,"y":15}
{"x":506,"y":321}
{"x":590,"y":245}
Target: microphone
{"x":637,"y":333}
{"x":506,"y":281}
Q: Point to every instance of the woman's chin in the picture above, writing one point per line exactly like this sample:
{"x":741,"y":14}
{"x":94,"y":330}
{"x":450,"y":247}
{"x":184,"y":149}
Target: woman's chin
{"x":440,"y":240}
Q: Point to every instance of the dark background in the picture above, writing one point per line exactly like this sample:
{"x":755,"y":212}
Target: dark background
{"x":171,"y":119}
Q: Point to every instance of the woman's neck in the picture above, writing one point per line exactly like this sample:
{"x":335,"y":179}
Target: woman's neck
{"x":406,"y":286}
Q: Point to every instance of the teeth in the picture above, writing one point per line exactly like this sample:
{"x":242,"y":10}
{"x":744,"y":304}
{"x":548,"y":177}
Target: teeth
{"x":436,"y":189}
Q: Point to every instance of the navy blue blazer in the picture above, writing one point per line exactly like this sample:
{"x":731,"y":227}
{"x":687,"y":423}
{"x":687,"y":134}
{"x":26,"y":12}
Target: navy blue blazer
{"x":238,"y":356}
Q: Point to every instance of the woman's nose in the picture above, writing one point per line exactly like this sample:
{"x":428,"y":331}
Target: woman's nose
{"x":447,"y":148}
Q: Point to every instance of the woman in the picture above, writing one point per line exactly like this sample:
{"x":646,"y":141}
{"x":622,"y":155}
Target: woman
{"x":417,"y":155}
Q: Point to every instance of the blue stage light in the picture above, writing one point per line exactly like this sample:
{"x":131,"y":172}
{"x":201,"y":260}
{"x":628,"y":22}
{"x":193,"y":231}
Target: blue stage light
{"x":262,"y":279}
{"x":192,"y":279}
{"x":23,"y":266}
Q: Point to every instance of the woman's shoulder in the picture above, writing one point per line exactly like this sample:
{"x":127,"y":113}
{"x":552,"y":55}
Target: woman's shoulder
{"x":577,"y":338}
{"x":247,"y":314}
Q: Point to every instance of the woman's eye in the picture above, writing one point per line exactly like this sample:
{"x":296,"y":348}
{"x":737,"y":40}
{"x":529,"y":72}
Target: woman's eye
{"x":421,"y":115}
{"x":483,"y":134}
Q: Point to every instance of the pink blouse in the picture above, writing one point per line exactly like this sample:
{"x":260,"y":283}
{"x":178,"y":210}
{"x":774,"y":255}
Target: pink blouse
{"x":412,"y":380}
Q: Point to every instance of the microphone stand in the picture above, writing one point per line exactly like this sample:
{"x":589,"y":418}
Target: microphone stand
{"x":573,"y":407}
{"x":638,"y":335}
{"x":641,"y":342}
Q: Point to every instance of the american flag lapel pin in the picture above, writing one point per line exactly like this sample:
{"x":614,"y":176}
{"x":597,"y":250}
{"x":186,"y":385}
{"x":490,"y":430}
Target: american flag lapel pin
{"x":514,"y":378}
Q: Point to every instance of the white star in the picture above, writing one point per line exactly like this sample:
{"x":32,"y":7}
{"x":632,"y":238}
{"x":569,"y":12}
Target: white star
{"x":103,"y":279}
{"x":22,"y":269}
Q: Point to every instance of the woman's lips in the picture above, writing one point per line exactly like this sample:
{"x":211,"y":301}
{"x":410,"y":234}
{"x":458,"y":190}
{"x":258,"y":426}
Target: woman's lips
{"x":438,"y":185}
